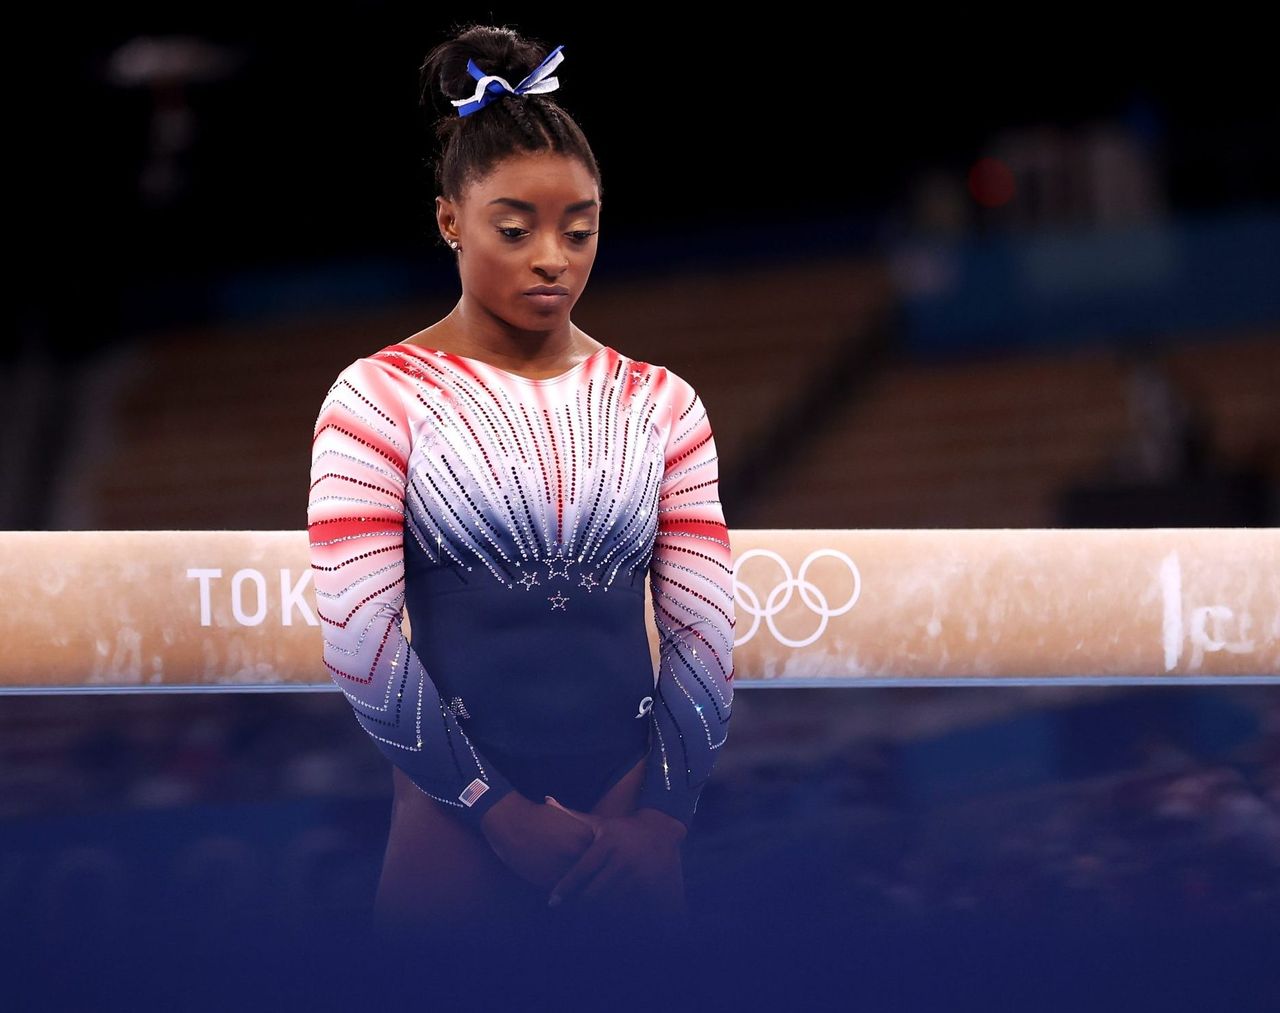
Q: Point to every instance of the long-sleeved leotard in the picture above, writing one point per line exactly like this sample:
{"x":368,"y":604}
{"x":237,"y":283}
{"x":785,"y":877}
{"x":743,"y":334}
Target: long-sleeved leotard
{"x":516,"y":519}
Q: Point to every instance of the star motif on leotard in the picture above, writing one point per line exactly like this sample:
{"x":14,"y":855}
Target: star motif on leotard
{"x":557,"y":600}
{"x":551,"y":565}
{"x":588,"y":582}
{"x":528,"y":580}
{"x":430,"y":438}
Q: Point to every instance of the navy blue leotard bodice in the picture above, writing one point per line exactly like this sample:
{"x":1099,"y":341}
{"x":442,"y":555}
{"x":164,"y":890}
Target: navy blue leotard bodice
{"x":517,"y":521}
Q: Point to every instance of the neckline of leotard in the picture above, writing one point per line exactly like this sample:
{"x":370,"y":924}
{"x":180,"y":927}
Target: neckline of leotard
{"x":536,"y":381}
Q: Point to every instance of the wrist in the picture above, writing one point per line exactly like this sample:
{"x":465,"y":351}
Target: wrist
{"x":505,"y":815}
{"x":664,"y":822}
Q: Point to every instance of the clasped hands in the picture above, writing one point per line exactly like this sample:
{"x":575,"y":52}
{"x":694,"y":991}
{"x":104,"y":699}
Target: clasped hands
{"x":629,"y":855}
{"x":610,"y":858}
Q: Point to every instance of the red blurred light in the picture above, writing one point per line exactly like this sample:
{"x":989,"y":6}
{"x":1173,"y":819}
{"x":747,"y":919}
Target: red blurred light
{"x":991,"y":182}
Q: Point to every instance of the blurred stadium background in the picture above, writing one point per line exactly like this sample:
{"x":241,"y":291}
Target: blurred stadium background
{"x":958,"y":286}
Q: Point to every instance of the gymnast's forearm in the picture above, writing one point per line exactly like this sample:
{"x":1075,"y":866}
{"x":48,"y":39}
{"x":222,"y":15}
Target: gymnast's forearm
{"x":662,"y":821}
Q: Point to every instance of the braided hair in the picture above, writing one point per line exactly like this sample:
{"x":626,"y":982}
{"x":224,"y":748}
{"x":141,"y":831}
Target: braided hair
{"x":472,"y":145}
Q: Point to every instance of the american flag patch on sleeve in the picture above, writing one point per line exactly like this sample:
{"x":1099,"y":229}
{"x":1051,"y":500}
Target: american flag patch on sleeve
{"x":472,"y":792}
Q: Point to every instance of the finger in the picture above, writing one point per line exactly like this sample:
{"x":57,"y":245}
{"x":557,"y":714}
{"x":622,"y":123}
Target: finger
{"x":610,"y":881}
{"x":582,"y":872}
{"x":586,"y":818}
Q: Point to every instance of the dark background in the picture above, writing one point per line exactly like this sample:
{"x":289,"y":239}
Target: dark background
{"x":1033,"y":846}
{"x":311,"y":142}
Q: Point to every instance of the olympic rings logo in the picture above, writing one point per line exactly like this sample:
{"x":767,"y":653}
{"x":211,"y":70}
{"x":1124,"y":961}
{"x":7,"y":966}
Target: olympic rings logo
{"x":746,"y":599}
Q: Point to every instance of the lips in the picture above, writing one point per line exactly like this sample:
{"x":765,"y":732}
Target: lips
{"x":547,"y":296}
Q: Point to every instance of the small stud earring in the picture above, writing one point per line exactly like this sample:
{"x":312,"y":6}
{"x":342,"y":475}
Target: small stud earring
{"x":453,"y":243}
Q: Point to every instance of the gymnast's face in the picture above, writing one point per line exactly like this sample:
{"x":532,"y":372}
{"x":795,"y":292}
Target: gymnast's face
{"x":531,"y":222}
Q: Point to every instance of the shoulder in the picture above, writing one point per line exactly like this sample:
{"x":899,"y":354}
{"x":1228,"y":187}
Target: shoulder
{"x":678,"y":392}
{"x":379,"y":367}
{"x":370,"y":385}
{"x":667,"y":384}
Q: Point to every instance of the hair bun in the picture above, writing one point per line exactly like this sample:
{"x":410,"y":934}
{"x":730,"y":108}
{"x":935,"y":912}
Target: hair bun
{"x":496,"y":49}
{"x":476,"y":136}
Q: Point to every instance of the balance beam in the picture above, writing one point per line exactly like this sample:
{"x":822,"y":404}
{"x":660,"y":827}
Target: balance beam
{"x":190,"y":611}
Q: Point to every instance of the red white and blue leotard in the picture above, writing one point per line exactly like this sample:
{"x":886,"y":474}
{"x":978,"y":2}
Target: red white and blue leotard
{"x":517,"y":519}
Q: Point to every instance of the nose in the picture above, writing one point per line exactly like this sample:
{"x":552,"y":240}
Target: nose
{"x":549,"y":256}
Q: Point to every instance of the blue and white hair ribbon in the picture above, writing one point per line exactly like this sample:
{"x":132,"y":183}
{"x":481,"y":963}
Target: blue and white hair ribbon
{"x":489,"y":87}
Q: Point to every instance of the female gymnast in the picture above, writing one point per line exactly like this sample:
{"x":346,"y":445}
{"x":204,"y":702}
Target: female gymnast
{"x":510,"y":481}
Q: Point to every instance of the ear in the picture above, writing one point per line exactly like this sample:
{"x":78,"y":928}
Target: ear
{"x":446,"y":219}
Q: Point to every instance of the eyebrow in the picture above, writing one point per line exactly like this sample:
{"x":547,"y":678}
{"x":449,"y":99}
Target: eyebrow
{"x":524,"y":205}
